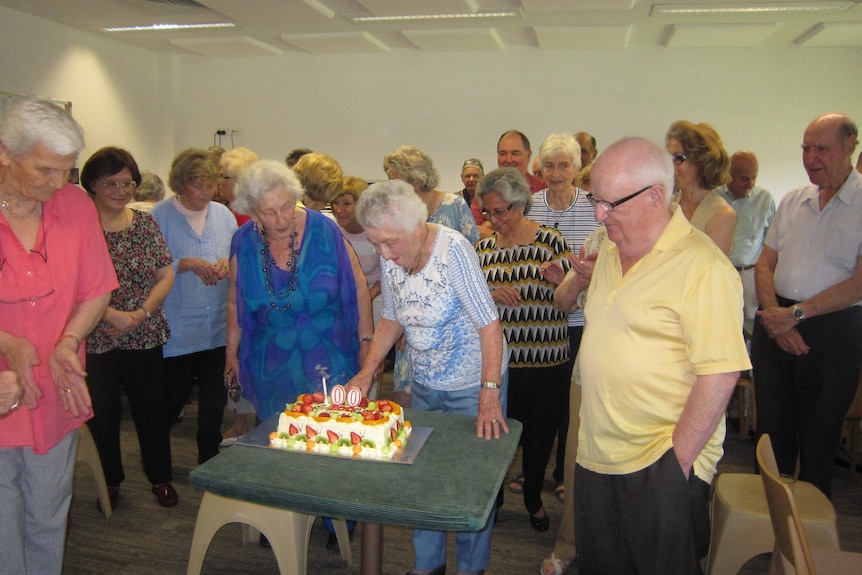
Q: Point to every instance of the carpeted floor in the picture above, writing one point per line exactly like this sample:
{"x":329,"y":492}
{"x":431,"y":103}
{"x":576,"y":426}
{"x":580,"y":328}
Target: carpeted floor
{"x":142,"y":538}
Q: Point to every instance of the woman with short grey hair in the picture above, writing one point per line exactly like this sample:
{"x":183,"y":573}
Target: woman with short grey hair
{"x":412,"y":165}
{"x":434,"y":293}
{"x":510,"y":185}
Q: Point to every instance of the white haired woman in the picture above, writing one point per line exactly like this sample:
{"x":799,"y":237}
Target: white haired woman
{"x":56,"y":282}
{"x":298,"y":301}
{"x":412,"y":165}
{"x":435,"y":294}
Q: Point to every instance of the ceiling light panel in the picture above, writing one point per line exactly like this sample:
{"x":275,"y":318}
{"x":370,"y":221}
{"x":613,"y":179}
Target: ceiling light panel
{"x":750,"y":8}
{"x":401,"y":8}
{"x":579,"y":6}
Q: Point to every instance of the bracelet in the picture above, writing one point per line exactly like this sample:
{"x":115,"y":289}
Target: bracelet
{"x":364,"y":339}
{"x":147,"y":314}
{"x":71,"y":336}
{"x":490,"y":385}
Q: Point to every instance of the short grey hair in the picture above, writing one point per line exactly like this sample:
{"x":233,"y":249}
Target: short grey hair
{"x":261,"y":178}
{"x":151,"y":188}
{"x":561,"y":144}
{"x":29,"y":121}
{"x":510,"y":184}
{"x":414,"y":167}
{"x":391,"y":204}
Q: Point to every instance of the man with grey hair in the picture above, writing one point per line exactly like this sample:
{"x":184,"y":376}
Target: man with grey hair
{"x":754,"y":208}
{"x":57,"y":282}
{"x":659,"y":359}
{"x":807,"y":342}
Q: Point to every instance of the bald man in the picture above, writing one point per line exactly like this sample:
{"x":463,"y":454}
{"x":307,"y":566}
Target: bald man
{"x":754,"y":208}
{"x":807,"y":341}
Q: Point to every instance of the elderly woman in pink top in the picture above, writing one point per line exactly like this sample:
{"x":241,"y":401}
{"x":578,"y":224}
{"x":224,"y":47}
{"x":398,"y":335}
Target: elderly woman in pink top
{"x":55,"y":283}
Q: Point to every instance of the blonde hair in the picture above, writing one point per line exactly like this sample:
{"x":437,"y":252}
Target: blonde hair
{"x":320,"y":176}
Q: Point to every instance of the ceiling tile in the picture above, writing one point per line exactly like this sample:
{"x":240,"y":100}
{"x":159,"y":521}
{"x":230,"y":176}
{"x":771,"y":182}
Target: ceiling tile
{"x":578,"y":6}
{"x":242,"y":46}
{"x":832,"y":34}
{"x":401,"y":8}
{"x":252,"y":11}
{"x":718,"y":35}
{"x":582,"y":37}
{"x":461,"y":40}
{"x":347,"y":43}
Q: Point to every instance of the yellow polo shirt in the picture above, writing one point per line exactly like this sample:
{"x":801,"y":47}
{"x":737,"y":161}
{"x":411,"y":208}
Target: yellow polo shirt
{"x":675,"y":315}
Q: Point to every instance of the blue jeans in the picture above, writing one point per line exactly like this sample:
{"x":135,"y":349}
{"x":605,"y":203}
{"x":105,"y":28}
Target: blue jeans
{"x":35,"y":492}
{"x":472,"y":548}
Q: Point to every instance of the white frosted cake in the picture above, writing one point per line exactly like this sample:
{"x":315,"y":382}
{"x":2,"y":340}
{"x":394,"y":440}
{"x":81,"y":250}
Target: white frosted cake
{"x":370,"y":429}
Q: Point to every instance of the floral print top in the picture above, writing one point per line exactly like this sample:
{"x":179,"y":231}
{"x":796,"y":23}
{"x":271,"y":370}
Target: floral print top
{"x":138,"y":252}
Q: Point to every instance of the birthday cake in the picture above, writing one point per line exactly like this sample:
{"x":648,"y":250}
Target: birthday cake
{"x":366,"y":429}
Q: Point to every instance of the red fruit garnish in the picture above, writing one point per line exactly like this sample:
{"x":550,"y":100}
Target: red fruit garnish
{"x":385,"y":407}
{"x":368,"y":416}
{"x":306,"y":408}
{"x":293,"y":430}
{"x":297,"y":407}
{"x":318,"y":397}
{"x":392,"y":433}
{"x":355,"y":438}
{"x":310,"y":432}
{"x":307,"y":398}
{"x":363,"y":402}
{"x":333,"y":437}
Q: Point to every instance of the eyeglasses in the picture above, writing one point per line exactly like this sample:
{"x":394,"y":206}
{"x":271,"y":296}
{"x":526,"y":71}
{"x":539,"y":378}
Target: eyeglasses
{"x":201,"y":182}
{"x":115,"y":186}
{"x":678,"y":158}
{"x":498,"y":213}
{"x":10,"y":284}
{"x":609,"y":206}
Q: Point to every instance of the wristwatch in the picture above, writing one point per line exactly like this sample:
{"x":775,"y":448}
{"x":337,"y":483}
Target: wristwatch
{"x":798,"y":313}
{"x":147,"y":313}
{"x":490,"y":385}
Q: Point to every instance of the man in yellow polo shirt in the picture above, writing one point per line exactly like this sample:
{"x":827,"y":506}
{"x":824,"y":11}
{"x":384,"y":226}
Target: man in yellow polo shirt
{"x":660,"y":356}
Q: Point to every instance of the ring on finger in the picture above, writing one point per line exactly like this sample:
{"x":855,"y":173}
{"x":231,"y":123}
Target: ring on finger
{"x":14,"y":405}
{"x":68,"y":390}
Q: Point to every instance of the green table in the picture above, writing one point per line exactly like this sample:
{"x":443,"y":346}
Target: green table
{"x":451,"y":486}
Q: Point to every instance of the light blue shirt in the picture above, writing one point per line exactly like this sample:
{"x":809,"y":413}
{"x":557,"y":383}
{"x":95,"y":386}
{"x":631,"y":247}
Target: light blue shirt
{"x":753,"y":215}
{"x":197,"y":313}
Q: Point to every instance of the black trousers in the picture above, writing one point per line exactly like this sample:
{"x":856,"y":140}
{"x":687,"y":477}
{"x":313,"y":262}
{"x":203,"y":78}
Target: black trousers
{"x":801,"y":400}
{"x":651,"y":522}
{"x":138,"y":373}
{"x":206,"y":369}
{"x":537,"y":396}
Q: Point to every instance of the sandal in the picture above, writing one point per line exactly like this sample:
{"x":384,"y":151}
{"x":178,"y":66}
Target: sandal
{"x":560,"y":492}
{"x":517,"y":484}
{"x":553,"y":565}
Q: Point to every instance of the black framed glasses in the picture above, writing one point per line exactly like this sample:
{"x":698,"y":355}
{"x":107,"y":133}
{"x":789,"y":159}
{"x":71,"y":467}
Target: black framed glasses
{"x":678,"y":158}
{"x":498,"y":213}
{"x":609,"y":206}
{"x":116,"y":186}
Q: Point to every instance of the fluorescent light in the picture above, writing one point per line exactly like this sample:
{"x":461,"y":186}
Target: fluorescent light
{"x":168,"y":27}
{"x":414,"y":17}
{"x":751,"y":8}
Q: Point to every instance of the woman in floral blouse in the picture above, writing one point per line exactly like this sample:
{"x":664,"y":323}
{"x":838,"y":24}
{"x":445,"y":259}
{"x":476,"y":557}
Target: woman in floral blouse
{"x":124,"y":352}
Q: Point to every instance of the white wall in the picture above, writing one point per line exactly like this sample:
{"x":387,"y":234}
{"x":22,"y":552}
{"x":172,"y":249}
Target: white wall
{"x":453,"y":106}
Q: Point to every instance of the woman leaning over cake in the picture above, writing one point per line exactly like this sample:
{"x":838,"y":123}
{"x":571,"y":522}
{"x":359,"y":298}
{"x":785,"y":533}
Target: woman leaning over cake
{"x":514,"y":260}
{"x":124,"y":351}
{"x":298,"y":307}
{"x":435,"y":294}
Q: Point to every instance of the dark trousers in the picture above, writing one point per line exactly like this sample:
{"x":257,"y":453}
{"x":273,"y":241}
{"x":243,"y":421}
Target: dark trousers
{"x":536,"y":397}
{"x":575,"y":333}
{"x":206,"y":368}
{"x":801,"y":400}
{"x":651,"y":522}
{"x":138,"y":373}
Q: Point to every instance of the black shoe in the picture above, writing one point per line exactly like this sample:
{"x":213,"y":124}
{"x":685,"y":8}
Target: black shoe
{"x":540,"y":524}
{"x":441,"y":570}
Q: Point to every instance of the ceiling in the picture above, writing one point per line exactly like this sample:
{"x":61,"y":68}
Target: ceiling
{"x":268,"y":27}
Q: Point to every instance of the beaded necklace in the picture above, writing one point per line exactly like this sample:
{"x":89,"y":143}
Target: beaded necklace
{"x":269,"y":262}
